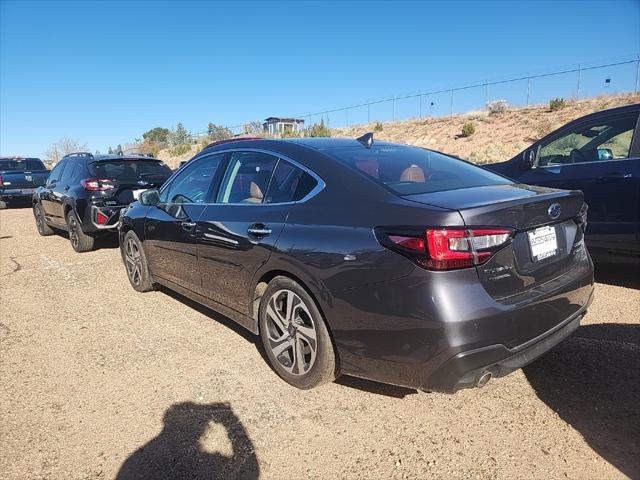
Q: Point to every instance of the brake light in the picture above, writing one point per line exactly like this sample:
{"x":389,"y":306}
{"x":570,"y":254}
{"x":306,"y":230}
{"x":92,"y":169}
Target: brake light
{"x":1,"y":181}
{"x":448,"y":248}
{"x":97,"y":184}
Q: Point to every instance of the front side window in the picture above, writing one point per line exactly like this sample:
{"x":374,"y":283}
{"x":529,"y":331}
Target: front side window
{"x":192,"y":184}
{"x":412,"y":170}
{"x":604,"y":139}
{"x":247,"y":178}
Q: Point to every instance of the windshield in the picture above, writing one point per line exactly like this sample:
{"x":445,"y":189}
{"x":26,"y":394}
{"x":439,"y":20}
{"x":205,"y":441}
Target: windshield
{"x":412,"y":170}
{"x":21,"y":165}
{"x":151,"y":170}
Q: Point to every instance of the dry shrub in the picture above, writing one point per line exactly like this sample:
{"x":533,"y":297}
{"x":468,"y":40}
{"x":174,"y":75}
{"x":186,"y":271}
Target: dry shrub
{"x":497,"y":107}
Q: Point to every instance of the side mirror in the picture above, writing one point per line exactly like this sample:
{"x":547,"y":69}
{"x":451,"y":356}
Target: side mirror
{"x":528,"y":159}
{"x":605,"y":154}
{"x":150,"y":197}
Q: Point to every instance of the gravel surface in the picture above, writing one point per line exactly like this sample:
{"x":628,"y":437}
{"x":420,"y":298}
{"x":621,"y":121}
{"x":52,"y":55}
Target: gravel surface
{"x":98,"y":381}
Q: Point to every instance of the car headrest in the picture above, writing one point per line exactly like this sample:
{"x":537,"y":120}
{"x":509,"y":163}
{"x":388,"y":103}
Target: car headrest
{"x":259,"y":185}
{"x":413,"y":174}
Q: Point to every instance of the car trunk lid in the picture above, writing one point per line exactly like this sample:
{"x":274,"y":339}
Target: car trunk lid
{"x":548,"y":232}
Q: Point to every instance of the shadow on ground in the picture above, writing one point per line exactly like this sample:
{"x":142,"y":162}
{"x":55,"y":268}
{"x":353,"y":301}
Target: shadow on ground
{"x":178,"y":453}
{"x":346,"y":381}
{"x":618,"y":274}
{"x":592,"y":381}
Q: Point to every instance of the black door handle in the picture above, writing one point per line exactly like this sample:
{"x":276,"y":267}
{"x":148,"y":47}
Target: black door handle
{"x":614,"y":176}
{"x":259,"y":230}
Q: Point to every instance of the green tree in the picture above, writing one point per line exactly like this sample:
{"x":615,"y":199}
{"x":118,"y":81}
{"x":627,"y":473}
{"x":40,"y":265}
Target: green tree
{"x":318,"y":130}
{"x":156,"y":135}
{"x":180,"y":136}
{"x":118,"y":150}
{"x":110,"y":151}
{"x":218,"y":132}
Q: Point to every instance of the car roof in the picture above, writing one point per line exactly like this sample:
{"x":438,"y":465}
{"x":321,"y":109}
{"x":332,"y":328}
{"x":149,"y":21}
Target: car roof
{"x":610,"y":111}
{"x":316,"y":143}
{"x":106,"y":157}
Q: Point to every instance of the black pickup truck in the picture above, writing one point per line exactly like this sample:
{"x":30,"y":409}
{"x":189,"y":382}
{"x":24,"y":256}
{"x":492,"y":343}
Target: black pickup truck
{"x":19,"y":178}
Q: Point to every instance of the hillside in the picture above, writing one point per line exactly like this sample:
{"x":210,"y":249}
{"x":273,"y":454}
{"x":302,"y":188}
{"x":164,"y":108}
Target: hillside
{"x":497,"y":137}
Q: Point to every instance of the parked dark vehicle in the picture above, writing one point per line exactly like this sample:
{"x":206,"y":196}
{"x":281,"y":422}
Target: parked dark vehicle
{"x":19,"y":178}
{"x":85,"y":193}
{"x":600,"y":155}
{"x":387,"y":262}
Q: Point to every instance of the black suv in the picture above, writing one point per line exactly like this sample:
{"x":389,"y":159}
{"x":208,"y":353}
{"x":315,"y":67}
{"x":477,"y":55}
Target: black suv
{"x":85,"y":193}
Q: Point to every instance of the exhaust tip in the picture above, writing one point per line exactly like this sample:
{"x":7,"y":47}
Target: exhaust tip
{"x":484,"y":379}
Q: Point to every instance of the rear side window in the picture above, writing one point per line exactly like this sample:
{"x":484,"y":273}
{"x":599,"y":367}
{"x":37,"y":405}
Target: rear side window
{"x":247,"y":177}
{"x":130,"y":169}
{"x":412,"y":170}
{"x":71,"y":170}
{"x":289,"y":184}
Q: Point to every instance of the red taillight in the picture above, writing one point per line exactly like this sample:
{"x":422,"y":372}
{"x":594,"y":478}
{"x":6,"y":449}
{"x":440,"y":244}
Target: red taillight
{"x":101,"y":218}
{"x":449,"y":248}
{"x":97,"y":184}
{"x":1,"y":181}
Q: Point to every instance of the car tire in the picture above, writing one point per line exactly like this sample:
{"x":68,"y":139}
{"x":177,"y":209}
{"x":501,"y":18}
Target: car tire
{"x":135,"y":263}
{"x":295,"y":336}
{"x":80,"y":241}
{"x":41,"y":224}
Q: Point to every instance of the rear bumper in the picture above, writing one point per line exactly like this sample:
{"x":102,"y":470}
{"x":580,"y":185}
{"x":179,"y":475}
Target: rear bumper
{"x":15,"y":195}
{"x":442,"y":331}
{"x":469,"y":369}
{"x":110,"y":214}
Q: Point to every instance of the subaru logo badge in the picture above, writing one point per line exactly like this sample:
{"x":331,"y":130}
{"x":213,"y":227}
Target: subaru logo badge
{"x":554,"y":211}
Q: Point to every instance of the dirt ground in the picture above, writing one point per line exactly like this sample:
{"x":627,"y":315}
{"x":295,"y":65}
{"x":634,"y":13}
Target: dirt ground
{"x":98,"y":381}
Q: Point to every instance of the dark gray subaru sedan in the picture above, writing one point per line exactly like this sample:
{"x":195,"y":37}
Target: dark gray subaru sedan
{"x":382,"y":261}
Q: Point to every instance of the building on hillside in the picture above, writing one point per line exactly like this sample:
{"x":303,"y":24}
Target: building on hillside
{"x":278,"y":125}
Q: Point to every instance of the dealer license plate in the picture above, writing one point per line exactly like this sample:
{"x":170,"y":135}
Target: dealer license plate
{"x":543,"y":242}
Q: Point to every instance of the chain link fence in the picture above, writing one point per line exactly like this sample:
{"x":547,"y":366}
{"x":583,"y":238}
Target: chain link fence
{"x":578,"y":81}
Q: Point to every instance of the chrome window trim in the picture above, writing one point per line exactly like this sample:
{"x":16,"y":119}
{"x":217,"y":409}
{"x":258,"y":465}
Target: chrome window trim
{"x":594,"y":162}
{"x":320,"y":184}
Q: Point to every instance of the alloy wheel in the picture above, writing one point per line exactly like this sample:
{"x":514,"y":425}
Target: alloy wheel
{"x":133,"y":261}
{"x":291,"y":332}
{"x":39,"y":220}
{"x":73,"y":230}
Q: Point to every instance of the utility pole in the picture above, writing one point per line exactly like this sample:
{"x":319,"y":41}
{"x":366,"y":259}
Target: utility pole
{"x":578,"y":90}
{"x":452,"y":102}
{"x":637,"y":73}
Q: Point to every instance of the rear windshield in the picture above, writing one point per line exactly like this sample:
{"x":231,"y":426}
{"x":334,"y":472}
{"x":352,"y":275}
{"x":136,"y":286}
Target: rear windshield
{"x":412,"y":170}
{"x":21,"y":165}
{"x":130,"y":169}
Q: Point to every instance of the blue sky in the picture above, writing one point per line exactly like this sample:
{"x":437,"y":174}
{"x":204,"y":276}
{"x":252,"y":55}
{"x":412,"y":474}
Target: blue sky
{"x":105,"y":72}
